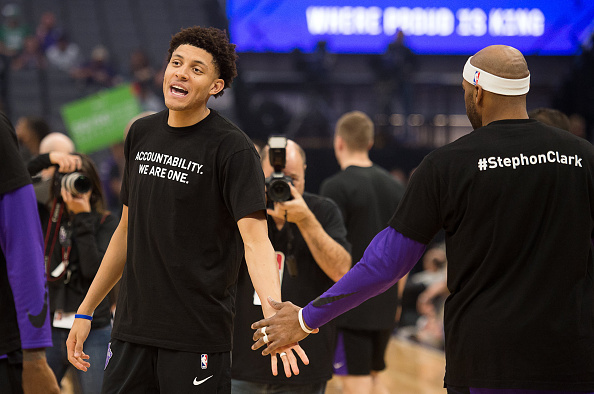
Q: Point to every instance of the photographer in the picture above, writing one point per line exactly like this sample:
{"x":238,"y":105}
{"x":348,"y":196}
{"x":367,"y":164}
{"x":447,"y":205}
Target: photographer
{"x":77,"y":233}
{"x":309,"y":237}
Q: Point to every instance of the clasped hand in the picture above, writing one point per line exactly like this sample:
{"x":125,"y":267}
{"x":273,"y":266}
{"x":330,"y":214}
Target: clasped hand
{"x":282,"y":329}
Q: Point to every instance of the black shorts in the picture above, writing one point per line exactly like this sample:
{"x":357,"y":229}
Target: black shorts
{"x":458,"y":390}
{"x":131,"y":368}
{"x":11,"y":374}
{"x":360,"y":352}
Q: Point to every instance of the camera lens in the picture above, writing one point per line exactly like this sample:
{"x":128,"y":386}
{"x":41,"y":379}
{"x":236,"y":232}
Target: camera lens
{"x":76,"y":183}
{"x":279,"y":190}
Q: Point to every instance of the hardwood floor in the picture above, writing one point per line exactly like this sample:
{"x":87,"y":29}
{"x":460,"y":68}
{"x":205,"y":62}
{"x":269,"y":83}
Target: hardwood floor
{"x":411,"y":369}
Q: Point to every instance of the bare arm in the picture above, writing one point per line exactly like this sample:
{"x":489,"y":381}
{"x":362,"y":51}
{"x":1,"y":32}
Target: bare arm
{"x":261,"y":263}
{"x":332,"y":257}
{"x":107,"y":276}
{"x":260,"y":258}
{"x":111,"y":267}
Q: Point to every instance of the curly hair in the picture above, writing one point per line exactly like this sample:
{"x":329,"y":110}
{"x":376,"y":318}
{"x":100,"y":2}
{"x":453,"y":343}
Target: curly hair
{"x":213,"y":41}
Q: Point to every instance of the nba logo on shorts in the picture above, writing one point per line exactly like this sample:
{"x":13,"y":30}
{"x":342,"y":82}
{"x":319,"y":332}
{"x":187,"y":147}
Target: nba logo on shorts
{"x":204,"y":361}
{"x":477,"y":74}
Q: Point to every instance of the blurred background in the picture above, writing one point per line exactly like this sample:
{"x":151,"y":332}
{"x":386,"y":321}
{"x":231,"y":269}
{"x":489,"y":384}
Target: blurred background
{"x":87,"y":66}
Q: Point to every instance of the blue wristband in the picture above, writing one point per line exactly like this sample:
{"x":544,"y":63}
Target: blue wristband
{"x":77,"y":316}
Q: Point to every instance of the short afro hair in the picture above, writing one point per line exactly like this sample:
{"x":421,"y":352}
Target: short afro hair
{"x":213,"y":41}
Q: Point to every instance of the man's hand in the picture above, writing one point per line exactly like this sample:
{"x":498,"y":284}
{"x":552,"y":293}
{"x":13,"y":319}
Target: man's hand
{"x":38,"y":377}
{"x":65,"y":162}
{"x":77,"y":337}
{"x":296,"y":209}
{"x":283,"y":329}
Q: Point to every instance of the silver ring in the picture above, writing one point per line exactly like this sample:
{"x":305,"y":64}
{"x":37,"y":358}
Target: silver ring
{"x":283,"y":354}
{"x":265,"y":337}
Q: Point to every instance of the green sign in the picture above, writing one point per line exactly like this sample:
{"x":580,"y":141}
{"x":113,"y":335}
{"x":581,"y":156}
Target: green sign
{"x":98,"y":121}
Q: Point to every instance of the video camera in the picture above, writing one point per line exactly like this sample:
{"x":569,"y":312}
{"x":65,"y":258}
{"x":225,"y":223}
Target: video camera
{"x":74,"y":183}
{"x":277,"y":184}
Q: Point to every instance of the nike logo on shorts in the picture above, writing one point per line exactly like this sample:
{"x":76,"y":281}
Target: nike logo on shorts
{"x":199,"y":382}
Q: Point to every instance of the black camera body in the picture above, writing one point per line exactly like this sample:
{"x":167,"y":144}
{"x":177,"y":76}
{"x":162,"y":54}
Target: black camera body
{"x":277,"y":184}
{"x":74,"y":183}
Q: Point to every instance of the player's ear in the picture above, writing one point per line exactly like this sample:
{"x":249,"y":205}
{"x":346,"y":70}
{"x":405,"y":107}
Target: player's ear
{"x":479,"y":94}
{"x":217,"y":86}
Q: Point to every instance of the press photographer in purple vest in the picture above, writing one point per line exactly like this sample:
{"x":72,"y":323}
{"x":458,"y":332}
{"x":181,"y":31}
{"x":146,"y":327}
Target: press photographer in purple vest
{"x":518,"y":215}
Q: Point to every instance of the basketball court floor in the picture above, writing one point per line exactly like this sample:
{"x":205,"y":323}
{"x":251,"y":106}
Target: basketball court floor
{"x":411,"y":369}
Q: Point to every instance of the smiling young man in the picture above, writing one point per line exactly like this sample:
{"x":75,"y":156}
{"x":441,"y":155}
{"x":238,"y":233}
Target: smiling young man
{"x":193,"y":194}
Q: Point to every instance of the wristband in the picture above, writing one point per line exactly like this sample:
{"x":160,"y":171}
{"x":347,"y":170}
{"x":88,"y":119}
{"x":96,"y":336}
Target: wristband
{"x":87,"y":317}
{"x":302,"y":323}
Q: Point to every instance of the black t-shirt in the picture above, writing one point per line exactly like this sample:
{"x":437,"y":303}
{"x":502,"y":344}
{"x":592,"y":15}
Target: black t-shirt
{"x":367,"y":198}
{"x":516,"y":201}
{"x":185,"y":189}
{"x":13,"y":175}
{"x":310,"y":282}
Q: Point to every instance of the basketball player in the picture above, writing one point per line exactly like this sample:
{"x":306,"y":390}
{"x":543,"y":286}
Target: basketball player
{"x":193,"y":195}
{"x":515,"y":198}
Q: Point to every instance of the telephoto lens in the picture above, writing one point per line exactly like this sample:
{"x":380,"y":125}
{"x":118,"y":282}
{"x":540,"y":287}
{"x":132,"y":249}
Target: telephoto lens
{"x":76,"y":183}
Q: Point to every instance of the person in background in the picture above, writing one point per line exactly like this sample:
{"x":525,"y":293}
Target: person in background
{"x":13,"y":31}
{"x":309,"y":238}
{"x":367,"y":196}
{"x":52,"y":149}
{"x":423,"y":299}
{"x":74,"y":247}
{"x":97,"y":73}
{"x":25,"y":325}
{"x":64,"y":54}
{"x":394,"y":71}
{"x":47,"y":32}
{"x":31,"y":57}
{"x":550,"y":116}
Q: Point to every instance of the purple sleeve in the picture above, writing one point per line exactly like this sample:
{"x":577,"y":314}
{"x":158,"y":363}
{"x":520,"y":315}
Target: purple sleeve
{"x":389,"y":256}
{"x":22,"y":243}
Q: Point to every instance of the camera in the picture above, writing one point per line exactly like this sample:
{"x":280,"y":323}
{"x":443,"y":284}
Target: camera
{"x":74,"y":183}
{"x":277,"y":185}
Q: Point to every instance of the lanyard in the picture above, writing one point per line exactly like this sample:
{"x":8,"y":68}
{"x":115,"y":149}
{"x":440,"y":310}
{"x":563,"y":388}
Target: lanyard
{"x":65,"y":234}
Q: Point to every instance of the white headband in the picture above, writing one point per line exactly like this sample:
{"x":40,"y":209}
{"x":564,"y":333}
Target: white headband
{"x":493,"y":83}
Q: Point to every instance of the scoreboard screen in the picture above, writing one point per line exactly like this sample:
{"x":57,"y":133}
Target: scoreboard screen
{"x":535,"y":27}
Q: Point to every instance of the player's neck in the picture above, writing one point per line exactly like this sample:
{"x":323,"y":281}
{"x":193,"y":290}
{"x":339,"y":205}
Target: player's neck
{"x":504,"y":116}
{"x":186,"y":118}
{"x":358,"y":159}
{"x":510,"y":108}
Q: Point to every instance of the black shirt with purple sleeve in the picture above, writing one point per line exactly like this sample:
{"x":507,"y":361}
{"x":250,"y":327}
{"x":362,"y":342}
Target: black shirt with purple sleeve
{"x":24,"y":322}
{"x":516,"y":201}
